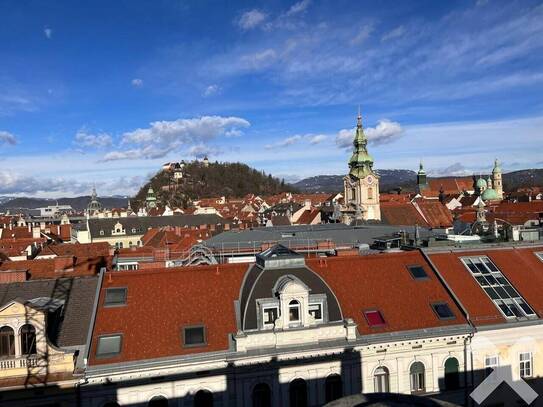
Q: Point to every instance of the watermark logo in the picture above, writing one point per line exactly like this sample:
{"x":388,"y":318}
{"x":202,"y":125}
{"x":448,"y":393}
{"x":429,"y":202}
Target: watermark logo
{"x":498,"y":376}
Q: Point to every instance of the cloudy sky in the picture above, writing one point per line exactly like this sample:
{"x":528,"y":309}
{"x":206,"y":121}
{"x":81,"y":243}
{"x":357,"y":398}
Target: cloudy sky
{"x":105,"y":92}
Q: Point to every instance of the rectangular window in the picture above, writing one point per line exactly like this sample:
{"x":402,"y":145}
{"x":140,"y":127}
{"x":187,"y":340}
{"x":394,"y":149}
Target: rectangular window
{"x":269,"y":315}
{"x":491,"y":363}
{"x":525,"y":364}
{"x":442,"y":310}
{"x":315,"y":310}
{"x":374,"y":318}
{"x":417,"y":272}
{"x":115,"y":297}
{"x":497,"y":287}
{"x":194,"y":336}
{"x":108,"y":346}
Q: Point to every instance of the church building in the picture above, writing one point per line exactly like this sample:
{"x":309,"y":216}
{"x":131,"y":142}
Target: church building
{"x":361,"y":185}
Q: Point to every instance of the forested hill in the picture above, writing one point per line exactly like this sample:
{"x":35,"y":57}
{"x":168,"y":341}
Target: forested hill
{"x":218,"y":179}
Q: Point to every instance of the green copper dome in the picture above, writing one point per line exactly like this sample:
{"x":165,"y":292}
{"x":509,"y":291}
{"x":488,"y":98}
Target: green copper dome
{"x":481,"y":183}
{"x":490,"y":194}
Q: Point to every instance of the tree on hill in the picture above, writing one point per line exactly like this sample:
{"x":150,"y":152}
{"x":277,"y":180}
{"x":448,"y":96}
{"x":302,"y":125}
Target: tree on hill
{"x":217,"y":179}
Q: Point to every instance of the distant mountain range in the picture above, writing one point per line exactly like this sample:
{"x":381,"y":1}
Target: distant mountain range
{"x":78,"y":203}
{"x":390,"y":179}
{"x":245,"y":180}
{"x":407,"y":181}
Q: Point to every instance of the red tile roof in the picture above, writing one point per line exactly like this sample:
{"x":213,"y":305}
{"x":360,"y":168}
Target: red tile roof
{"x":451,"y":184}
{"x":520,"y":266}
{"x":383,"y":282}
{"x":161,"y":302}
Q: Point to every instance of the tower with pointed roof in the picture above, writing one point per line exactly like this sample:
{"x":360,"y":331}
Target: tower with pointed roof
{"x":422,"y":181}
{"x":94,"y":207}
{"x":150,"y":199}
{"x":497,"y":179}
{"x":361,"y":185}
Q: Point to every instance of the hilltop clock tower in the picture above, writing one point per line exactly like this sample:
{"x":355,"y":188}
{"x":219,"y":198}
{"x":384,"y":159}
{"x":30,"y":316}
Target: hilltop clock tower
{"x":361,"y":185}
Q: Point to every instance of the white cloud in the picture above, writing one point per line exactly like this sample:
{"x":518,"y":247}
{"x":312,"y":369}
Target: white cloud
{"x":211,"y":90}
{"x":456,"y":169}
{"x":137,"y":82}
{"x":259,"y":60}
{"x":362,"y":35}
{"x":164,"y":137}
{"x":251,"y":19}
{"x":203,"y":150}
{"x":395,"y":33}
{"x":85,"y":139}
{"x":385,"y":132}
{"x":48,"y":32}
{"x":7,"y":138}
{"x":299,"y":7}
{"x":313,"y":139}
{"x":317,"y":138}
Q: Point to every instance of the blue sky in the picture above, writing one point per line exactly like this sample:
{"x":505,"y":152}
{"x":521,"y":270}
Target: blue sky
{"x":105,"y":92}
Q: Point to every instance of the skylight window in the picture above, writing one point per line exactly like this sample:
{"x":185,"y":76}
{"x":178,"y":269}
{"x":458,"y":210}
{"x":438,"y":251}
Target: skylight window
{"x":498,"y":287}
{"x":442,"y":310}
{"x":417,"y":272}
{"x":115,"y":297}
{"x":108,"y":346}
{"x":374,"y":318}
{"x":194,"y":336}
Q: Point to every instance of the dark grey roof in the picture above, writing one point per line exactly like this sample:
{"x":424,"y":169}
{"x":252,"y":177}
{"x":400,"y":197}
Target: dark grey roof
{"x":142,"y":223}
{"x":70,"y":325}
{"x":259,"y":284}
{"x":306,"y":235}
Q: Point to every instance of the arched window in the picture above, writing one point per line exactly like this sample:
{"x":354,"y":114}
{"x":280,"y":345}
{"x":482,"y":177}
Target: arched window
{"x":28,"y":340}
{"x":452,"y":375}
{"x":7,"y":342}
{"x":262,"y":395}
{"x":416,"y":374}
{"x":370,"y":193}
{"x":294,"y":311}
{"x":203,"y":398}
{"x":158,"y":401}
{"x":333,"y":388}
{"x":381,"y":382}
{"x":298,"y":393}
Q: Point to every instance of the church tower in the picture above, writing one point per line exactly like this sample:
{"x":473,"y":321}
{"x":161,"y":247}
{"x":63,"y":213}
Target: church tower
{"x":361,"y":185}
{"x":497,"y":179}
{"x":422,"y":181}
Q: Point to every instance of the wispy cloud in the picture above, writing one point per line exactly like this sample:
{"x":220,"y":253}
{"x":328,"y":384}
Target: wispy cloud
{"x":211,"y":90}
{"x":86,"y":139}
{"x":395,"y":33}
{"x":137,"y":82}
{"x":251,"y":19}
{"x":362,"y":34}
{"x":7,"y":138}
{"x":298,"y":7}
{"x":48,"y":32}
{"x":312,"y":139}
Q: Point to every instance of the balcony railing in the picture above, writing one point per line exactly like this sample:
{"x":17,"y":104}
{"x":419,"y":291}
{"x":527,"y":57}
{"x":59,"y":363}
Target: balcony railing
{"x":21,"y":362}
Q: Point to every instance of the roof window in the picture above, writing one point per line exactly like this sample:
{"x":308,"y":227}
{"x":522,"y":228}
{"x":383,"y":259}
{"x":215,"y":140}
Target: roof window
{"x":374,"y":318}
{"x":417,"y":272}
{"x":443,"y":311}
{"x":115,"y":297}
{"x":194,"y":336}
{"x":108,"y":345}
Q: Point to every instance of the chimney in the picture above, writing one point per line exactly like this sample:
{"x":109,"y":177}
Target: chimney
{"x":29,"y":228}
{"x":36,"y":232}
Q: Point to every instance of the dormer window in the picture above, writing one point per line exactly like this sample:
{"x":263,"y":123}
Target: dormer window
{"x":315,"y":310}
{"x":294,"y":311}
{"x":269,"y":315}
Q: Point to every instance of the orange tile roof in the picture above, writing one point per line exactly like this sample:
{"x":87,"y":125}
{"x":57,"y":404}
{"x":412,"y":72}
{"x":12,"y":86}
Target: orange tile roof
{"x":520,"y":266}
{"x":383,"y":282}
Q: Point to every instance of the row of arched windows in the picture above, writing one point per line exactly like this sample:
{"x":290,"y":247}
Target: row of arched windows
{"x":27,"y":335}
{"x":381,"y":377}
{"x":298,"y":391}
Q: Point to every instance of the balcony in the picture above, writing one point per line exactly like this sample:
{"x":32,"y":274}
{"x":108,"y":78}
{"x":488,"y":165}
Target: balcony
{"x":18,"y":363}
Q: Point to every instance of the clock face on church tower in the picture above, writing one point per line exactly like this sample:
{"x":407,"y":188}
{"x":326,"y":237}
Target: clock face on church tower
{"x":369,"y":179}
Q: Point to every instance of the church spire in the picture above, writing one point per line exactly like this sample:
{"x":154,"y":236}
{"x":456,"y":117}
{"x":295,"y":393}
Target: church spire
{"x":361,"y":163}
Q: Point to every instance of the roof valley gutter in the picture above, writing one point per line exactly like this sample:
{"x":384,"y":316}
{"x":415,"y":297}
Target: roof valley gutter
{"x":93,"y":316}
{"x":447,"y":287}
